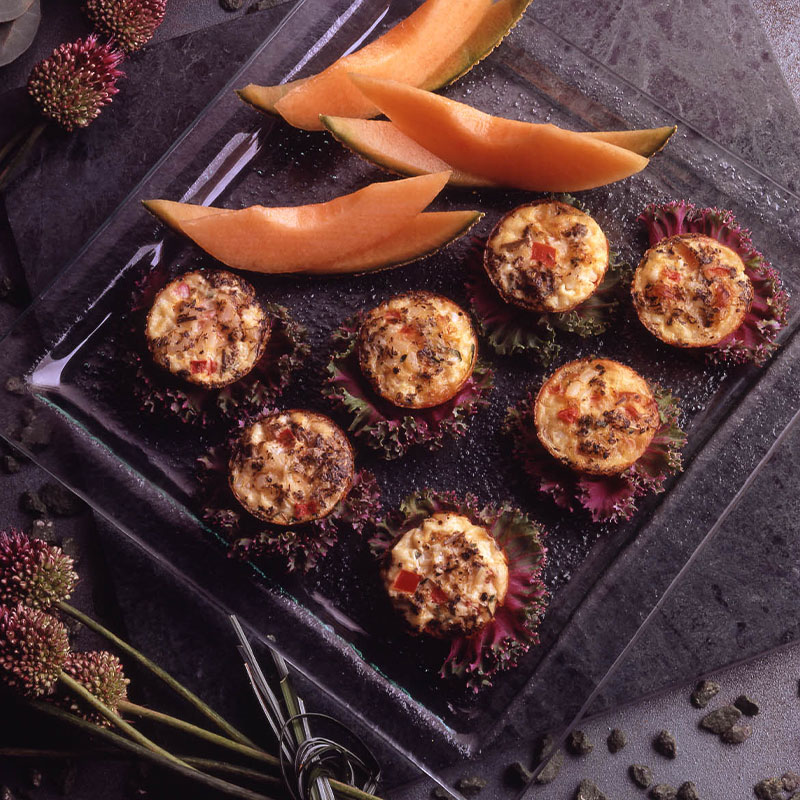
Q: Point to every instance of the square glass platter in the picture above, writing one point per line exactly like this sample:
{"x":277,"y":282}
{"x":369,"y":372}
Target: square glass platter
{"x":604,"y":580}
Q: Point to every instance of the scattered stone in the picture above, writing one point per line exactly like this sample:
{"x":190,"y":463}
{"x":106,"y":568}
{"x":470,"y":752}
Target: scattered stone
{"x":665,"y":744}
{"x":578,"y":743}
{"x":261,"y":5}
{"x":641,"y":775}
{"x":31,"y":503}
{"x":616,"y":740}
{"x":28,"y":415}
{"x":663,"y":791}
{"x":36,"y":433}
{"x":704,"y":693}
{"x":769,"y":789}
{"x":518,"y":774}
{"x":10,"y":465}
{"x":44,"y":529}
{"x":70,"y":547}
{"x":747,"y":705}
{"x":35,"y":777}
{"x":550,"y":771}
{"x":15,"y":385}
{"x":60,"y":501}
{"x":737,"y":734}
{"x":721,"y":720}
{"x":471,"y":786}
{"x":11,"y":292}
{"x":588,"y":790}
{"x":65,"y":779}
{"x":72,"y":625}
{"x":791,"y":782}
{"x":441,"y":794}
{"x":688,"y":791}
{"x":5,"y":793}
{"x":231,"y":5}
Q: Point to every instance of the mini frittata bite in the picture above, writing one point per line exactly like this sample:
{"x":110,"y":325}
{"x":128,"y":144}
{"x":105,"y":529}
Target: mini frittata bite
{"x":207,"y":328}
{"x":596,"y":416}
{"x":291,"y":467}
{"x":446,"y":576}
{"x":417,"y":350}
{"x":691,"y":291}
{"x":546,"y":256}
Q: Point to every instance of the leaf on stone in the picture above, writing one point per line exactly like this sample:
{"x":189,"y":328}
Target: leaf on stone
{"x":17,"y":36}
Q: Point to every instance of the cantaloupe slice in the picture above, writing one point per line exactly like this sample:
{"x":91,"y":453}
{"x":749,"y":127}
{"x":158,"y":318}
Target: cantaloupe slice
{"x":436,"y":44}
{"x":305,"y":238}
{"x":521,"y":155}
{"x":380,"y":142}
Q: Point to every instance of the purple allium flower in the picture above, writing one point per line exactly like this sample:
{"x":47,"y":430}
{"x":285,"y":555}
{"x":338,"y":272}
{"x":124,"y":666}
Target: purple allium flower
{"x":33,"y":572}
{"x":76,"y":81}
{"x":131,"y":23}
{"x":33,"y":649}
{"x":101,"y":673}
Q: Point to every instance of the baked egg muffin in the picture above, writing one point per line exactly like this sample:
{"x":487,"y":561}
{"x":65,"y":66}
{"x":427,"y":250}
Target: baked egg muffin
{"x":596,"y":416}
{"x":208,"y":328}
{"x":417,"y":350}
{"x":291,"y":467}
{"x":546,"y":256}
{"x":447,"y":576}
{"x":691,"y":291}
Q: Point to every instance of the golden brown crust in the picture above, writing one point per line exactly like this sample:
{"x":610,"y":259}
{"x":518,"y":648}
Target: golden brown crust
{"x":446,"y":576}
{"x":691,"y":291}
{"x":291,"y":467}
{"x":546,"y":256}
{"x":207,"y":328}
{"x":417,"y":350}
{"x":596,"y":416}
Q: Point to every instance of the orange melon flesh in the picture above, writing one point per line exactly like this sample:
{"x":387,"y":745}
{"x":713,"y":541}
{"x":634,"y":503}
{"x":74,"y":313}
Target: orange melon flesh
{"x":380,"y":142}
{"x":264,"y":97}
{"x":412,"y":50}
{"x":302,"y":238}
{"x":523,"y":155}
{"x":173,"y":214}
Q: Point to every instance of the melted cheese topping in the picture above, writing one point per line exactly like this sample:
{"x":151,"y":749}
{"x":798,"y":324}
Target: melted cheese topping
{"x":208,"y":328}
{"x":546,"y":256}
{"x":291,"y":467}
{"x":691,"y":291}
{"x":596,"y":416}
{"x":447,"y":576}
{"x":417,"y":350}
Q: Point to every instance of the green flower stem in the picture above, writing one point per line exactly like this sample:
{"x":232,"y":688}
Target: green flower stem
{"x":160,"y":673}
{"x":120,"y":742}
{"x":346,"y":790}
{"x":81,"y":691}
{"x":126,"y":707}
{"x":209,"y":765}
{"x":17,"y":159}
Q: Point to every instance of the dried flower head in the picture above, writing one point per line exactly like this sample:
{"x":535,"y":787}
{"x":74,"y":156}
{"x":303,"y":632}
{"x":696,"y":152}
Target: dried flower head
{"x":33,"y":572}
{"x":131,"y":23}
{"x":33,"y":649}
{"x":101,"y":673}
{"x":78,"y":79}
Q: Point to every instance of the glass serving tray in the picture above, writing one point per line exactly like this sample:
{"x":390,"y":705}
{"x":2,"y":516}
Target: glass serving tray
{"x":604,"y":580}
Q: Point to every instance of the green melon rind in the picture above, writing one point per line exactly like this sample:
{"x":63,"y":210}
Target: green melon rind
{"x":646,"y":142}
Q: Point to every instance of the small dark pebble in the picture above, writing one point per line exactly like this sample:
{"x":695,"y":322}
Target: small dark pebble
{"x":704,"y":693}
{"x":791,"y":782}
{"x":471,"y":786}
{"x":70,"y":547}
{"x":66,"y":777}
{"x":769,"y":789}
{"x":44,"y":529}
{"x":35,"y":778}
{"x":5,"y":793}
{"x":36,"y":434}
{"x":721,"y":720}
{"x":231,"y":5}
{"x":588,"y":790}
{"x":641,"y":775}
{"x":747,"y":705}
{"x":60,"y":501}
{"x":518,"y":774}
{"x":15,"y":385}
{"x":30,"y":502}
{"x":665,"y":744}
{"x":550,"y":771}
{"x":737,"y":734}
{"x":28,"y":415}
{"x":688,"y":791}
{"x":441,"y":794}
{"x":12,"y":292}
{"x":663,"y":791}
{"x":10,"y":465}
{"x":616,"y":740}
{"x":261,"y":5}
{"x":72,"y":625}
{"x":578,"y":744}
